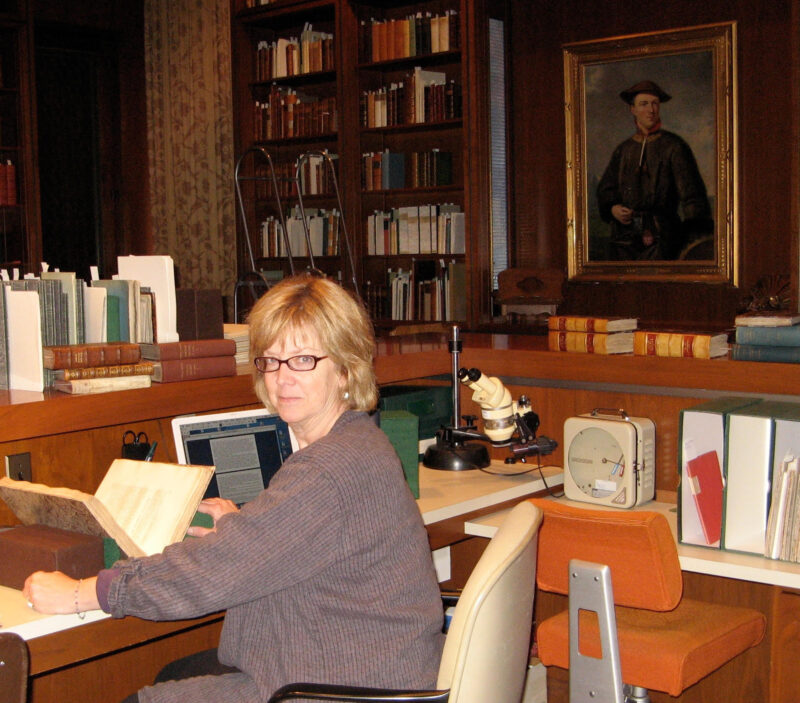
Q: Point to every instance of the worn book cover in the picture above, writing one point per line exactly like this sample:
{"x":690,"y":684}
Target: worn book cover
{"x":86,"y":386}
{"x":578,"y":323}
{"x":189,"y":349}
{"x":192,"y":369}
{"x":142,"y":505}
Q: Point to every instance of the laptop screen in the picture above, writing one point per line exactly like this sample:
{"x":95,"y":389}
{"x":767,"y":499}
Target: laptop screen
{"x":247,"y":448}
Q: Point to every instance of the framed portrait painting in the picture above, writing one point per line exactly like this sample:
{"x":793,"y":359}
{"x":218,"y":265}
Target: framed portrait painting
{"x":651,"y":156}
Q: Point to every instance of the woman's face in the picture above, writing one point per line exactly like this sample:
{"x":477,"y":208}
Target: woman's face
{"x":309,"y":401}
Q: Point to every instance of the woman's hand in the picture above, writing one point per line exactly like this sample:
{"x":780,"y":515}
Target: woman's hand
{"x":216,"y":508}
{"x":55,"y":592}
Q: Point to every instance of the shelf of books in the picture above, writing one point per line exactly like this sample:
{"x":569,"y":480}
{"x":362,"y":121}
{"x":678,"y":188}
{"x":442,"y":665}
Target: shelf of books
{"x":411,"y":143}
{"x":13,"y":221}
{"x":289,"y":109}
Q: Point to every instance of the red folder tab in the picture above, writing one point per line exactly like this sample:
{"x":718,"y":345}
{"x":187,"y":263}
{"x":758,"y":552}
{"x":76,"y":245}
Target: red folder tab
{"x":705,"y":483}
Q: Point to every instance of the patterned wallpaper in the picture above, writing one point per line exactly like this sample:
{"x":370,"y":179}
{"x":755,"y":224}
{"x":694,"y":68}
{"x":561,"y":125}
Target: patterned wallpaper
{"x":190,"y":140}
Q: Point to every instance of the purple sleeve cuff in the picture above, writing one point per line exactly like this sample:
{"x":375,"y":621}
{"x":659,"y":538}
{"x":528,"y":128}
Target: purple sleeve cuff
{"x":103,"y":586}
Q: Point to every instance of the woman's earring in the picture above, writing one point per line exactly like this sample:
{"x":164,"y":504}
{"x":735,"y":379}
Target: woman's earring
{"x":346,"y":395}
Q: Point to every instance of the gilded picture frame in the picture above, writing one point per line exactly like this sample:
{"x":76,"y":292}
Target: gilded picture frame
{"x":668,"y":232}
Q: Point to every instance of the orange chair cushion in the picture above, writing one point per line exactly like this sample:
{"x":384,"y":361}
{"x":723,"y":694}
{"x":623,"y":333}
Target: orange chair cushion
{"x":638,"y":547}
{"x":661,"y":651}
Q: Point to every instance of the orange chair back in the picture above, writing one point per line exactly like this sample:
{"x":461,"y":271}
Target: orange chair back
{"x":638,"y":546}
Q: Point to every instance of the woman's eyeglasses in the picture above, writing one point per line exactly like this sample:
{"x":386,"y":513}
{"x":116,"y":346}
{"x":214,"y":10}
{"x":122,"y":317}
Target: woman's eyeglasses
{"x":301,"y":362}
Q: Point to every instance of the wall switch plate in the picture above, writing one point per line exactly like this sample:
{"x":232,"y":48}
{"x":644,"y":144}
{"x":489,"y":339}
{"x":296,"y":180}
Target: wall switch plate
{"x":18,"y":467}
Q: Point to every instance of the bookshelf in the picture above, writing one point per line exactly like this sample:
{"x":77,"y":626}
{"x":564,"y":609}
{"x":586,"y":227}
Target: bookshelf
{"x":407,"y":83}
{"x":17,"y":209}
{"x":287,"y":98}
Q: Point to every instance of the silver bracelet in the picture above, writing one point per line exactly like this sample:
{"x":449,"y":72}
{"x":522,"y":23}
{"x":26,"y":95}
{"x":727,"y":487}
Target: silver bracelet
{"x":77,"y":608}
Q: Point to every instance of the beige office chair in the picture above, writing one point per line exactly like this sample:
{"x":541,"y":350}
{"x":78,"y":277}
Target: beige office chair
{"x":485,"y":655}
{"x":13,"y":668}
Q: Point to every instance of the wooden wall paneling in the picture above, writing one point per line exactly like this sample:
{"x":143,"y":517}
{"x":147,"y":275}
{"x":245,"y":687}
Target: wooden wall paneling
{"x":477,"y":160}
{"x":768,"y":191}
{"x":109,"y":678}
{"x":555,"y":405}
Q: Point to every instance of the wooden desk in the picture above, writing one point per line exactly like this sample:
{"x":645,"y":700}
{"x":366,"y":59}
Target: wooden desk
{"x":768,"y":672}
{"x":72,"y":440}
{"x":102,"y":660}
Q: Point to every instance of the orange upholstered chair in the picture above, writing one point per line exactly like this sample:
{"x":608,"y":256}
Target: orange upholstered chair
{"x":666,"y":642}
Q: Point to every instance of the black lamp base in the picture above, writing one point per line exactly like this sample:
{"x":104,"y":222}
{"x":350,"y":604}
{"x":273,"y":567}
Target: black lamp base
{"x":456,"y":457}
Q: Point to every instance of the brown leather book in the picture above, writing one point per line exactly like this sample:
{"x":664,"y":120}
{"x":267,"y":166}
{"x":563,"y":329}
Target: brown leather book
{"x":79,"y":356}
{"x":167,"y":371}
{"x":198,"y":313}
{"x":29,"y":548}
{"x":188,"y":349}
{"x":145,"y":368}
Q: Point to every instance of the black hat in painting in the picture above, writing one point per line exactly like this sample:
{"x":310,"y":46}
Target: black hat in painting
{"x":648,"y":87}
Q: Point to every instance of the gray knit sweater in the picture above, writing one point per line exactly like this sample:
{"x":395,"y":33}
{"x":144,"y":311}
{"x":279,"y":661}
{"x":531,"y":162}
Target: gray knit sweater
{"x":326,"y":577}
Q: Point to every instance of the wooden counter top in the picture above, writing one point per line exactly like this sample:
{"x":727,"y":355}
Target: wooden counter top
{"x":400,"y":359}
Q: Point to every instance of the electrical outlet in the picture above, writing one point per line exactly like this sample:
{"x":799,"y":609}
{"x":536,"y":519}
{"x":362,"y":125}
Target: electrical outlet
{"x":18,"y":466}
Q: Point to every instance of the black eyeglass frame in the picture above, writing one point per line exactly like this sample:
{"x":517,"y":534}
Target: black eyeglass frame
{"x":288,"y":361}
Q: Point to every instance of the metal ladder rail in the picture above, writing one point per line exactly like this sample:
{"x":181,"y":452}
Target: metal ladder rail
{"x":327,"y":159}
{"x":271,"y":178}
{"x":254,"y":276}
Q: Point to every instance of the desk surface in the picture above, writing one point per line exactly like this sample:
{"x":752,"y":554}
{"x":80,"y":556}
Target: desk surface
{"x":448,"y":494}
{"x":443,"y":495}
{"x":701,"y":560}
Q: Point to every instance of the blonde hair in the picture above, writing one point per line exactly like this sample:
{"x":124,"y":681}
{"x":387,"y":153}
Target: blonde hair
{"x":307,"y":302}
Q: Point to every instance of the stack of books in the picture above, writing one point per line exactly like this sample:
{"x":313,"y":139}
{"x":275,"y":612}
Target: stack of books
{"x":590,"y":335}
{"x":97,"y":368}
{"x":191,"y":360}
{"x":240,"y":334}
{"x":767,"y":336}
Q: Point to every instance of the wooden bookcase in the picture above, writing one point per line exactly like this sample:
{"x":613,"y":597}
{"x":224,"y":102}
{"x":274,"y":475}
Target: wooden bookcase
{"x":17,"y":194}
{"x":372,"y":56}
{"x":261,"y":85}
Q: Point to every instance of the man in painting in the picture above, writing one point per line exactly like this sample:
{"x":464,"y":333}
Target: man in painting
{"x":652,"y":192}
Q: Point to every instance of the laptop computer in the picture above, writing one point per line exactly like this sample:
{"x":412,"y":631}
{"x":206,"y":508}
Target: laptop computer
{"x":247,"y":447}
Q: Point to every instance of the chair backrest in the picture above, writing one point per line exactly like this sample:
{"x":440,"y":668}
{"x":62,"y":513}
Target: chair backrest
{"x":637,"y":545}
{"x":486,"y":651}
{"x":13,"y":668}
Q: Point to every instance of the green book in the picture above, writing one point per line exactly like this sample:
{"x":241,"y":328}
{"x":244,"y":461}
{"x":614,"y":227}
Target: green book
{"x":402,"y":429}
{"x":112,"y":319}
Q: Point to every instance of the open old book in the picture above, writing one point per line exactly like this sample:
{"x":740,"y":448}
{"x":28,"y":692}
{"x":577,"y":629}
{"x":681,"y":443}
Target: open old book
{"x":143,"y":505}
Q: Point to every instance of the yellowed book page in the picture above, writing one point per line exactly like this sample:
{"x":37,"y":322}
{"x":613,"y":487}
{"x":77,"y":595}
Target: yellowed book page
{"x":67,"y":508}
{"x":153,"y":502}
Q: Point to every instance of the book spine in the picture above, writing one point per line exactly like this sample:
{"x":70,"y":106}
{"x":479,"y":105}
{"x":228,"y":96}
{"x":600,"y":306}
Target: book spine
{"x":569,"y":323}
{"x":669,"y":344}
{"x":189,"y":349}
{"x":584,"y":342}
{"x":194,"y":368}
{"x":113,"y":371}
{"x":746,"y":352}
{"x":788,"y":336}
{"x":75,"y":356}
{"x":85,"y":386}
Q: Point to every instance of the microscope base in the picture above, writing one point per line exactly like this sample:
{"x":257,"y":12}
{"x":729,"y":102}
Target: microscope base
{"x":462,"y":457}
